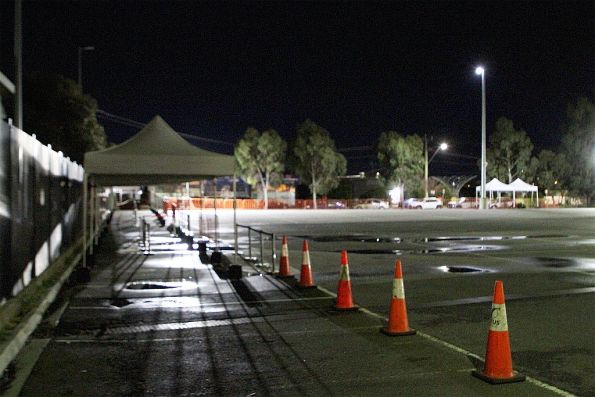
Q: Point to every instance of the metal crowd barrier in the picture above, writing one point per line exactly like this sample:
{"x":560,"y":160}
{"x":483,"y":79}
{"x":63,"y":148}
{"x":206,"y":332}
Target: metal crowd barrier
{"x":262,"y":237}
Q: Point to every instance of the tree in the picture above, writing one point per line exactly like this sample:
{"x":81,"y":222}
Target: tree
{"x":59,"y":114}
{"x":402,"y":159}
{"x":316,"y":158}
{"x":509,"y":153}
{"x":547,"y":170}
{"x":260,"y":159}
{"x":578,"y":145}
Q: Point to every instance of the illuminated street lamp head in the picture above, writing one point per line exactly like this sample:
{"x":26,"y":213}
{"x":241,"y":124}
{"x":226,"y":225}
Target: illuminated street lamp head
{"x":443,"y":146}
{"x":479,"y":70}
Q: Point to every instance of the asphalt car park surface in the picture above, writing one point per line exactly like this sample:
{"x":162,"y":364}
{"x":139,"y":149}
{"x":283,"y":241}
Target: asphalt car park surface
{"x":166,"y":324}
{"x":451,"y":259}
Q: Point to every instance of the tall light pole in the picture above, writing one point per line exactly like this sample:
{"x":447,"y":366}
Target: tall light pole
{"x":18,"y":58}
{"x":80,"y":64}
{"x":482,"y":201}
{"x":443,"y":146}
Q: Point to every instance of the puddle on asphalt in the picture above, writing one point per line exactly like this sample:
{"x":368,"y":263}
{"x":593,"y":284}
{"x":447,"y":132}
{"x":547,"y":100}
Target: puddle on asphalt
{"x":397,"y":240}
{"x":158,"y":285}
{"x":437,"y":250}
{"x":119,"y":302}
{"x":462,"y":269}
{"x":556,"y":262}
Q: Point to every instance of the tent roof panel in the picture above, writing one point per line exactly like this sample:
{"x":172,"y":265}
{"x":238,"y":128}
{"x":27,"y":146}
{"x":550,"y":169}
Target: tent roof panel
{"x":156,"y":153}
{"x":518,"y":185}
{"x":496,"y":186}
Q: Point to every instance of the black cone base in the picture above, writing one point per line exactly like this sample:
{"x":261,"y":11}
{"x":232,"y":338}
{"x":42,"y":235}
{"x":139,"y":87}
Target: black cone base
{"x":385,"y":331}
{"x":516,"y":377}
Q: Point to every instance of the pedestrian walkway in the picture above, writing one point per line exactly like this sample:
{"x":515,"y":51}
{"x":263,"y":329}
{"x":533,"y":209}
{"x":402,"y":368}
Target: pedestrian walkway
{"x":167,"y":324}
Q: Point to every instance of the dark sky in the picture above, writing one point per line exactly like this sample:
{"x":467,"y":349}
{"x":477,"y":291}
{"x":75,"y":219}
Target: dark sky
{"x":214,"y":68}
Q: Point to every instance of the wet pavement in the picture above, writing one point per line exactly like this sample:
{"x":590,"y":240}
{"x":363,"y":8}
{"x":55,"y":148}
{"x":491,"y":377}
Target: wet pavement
{"x":168,"y":324}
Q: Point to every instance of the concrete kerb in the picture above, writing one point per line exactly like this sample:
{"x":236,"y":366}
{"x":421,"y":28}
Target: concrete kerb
{"x":17,"y":337}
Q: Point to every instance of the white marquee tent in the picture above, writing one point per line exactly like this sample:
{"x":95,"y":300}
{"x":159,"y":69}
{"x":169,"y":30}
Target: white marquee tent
{"x":517,"y":185}
{"x":156,"y":154}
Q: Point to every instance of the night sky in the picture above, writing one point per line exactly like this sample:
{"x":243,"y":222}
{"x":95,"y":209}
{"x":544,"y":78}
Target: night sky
{"x":214,"y":68}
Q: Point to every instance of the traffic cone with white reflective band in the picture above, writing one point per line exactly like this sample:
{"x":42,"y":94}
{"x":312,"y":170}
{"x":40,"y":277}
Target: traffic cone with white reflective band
{"x":498,"y":361}
{"x":398,"y":325}
{"x":284,"y":270}
{"x":344,"y":300}
{"x":306,"y":280}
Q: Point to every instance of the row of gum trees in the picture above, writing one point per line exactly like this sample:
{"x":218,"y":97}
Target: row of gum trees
{"x":570,"y":168}
{"x":261,"y":157}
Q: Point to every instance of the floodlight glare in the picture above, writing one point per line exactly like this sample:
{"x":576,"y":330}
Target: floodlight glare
{"x":479,"y":70}
{"x":443,"y":146}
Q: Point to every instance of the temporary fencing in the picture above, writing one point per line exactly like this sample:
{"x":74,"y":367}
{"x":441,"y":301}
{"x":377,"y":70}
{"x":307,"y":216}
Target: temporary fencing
{"x":40,"y":201}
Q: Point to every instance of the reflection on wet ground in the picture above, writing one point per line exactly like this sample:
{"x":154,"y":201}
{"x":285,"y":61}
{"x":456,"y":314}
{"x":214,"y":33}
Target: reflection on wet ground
{"x":462,"y":269}
{"x":435,"y":250}
{"x":397,"y":240}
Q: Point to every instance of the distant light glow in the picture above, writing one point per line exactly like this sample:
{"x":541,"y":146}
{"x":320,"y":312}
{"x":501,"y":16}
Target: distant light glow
{"x":443,"y":146}
{"x":479,"y":70}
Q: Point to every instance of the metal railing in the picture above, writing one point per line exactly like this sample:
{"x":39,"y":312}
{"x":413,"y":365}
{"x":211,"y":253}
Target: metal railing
{"x":257,"y":246}
{"x":145,"y":237}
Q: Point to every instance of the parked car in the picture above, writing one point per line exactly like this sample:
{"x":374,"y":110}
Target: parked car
{"x":373,"y":204}
{"x":456,"y":202}
{"x":336,"y":204}
{"x":411,"y":202}
{"x":429,"y":203}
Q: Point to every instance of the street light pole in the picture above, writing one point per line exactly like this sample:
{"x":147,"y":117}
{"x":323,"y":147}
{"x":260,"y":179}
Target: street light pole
{"x":426,"y":165}
{"x":483,"y":202}
{"x":80,"y":64}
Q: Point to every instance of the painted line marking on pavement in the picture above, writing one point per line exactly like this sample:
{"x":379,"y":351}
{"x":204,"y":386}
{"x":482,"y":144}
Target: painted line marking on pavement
{"x":458,"y":349}
{"x":191,"y":338}
{"x":509,"y":297}
{"x":207,"y":304}
{"x":180,"y":326}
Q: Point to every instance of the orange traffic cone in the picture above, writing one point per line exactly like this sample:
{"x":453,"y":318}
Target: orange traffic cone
{"x":398,"y":325}
{"x":344,"y":299}
{"x":284,"y":270}
{"x":306,"y":280}
{"x":498,"y":362}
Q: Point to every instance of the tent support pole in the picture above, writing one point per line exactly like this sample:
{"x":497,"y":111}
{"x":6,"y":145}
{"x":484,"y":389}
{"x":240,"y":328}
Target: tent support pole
{"x":92,"y":220}
{"x":85,"y":194}
{"x":235,"y":223}
{"x":216,"y":234}
{"x":97,"y":218}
